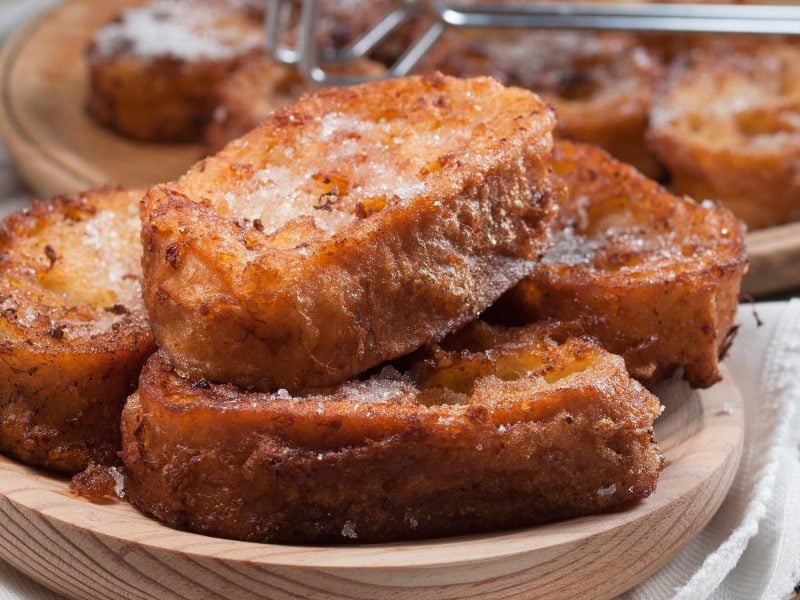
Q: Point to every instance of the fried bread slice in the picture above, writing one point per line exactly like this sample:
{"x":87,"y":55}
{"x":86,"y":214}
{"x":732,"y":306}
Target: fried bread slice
{"x":601,"y":84}
{"x":654,"y":277}
{"x":497,"y":428}
{"x":726,"y":126}
{"x":154,"y":68}
{"x":348,"y":229}
{"x":73,"y":327}
{"x":250,"y":93}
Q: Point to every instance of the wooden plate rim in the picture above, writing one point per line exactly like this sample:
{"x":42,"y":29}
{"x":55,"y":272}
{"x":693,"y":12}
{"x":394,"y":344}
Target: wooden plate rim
{"x":722,"y":412}
{"x":10,"y":125}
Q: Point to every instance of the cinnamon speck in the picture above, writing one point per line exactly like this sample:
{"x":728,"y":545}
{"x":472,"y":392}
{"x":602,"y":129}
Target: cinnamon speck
{"x":171,"y":255}
{"x":50,"y":252}
{"x":117,"y":309}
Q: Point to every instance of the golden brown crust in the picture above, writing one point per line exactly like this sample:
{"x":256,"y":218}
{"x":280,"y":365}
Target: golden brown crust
{"x":250,"y":93}
{"x":653,"y":276}
{"x":601,"y":84}
{"x":475,"y":438}
{"x":725,"y":125}
{"x":348,"y":229}
{"x":73,"y":329}
{"x":153,"y":70}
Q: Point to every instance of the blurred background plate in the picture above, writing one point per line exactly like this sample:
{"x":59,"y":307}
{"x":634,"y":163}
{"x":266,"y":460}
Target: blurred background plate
{"x":57,"y":147}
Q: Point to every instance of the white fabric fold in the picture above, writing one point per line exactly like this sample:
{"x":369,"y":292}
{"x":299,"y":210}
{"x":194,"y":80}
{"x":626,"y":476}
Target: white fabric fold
{"x":749,"y":550}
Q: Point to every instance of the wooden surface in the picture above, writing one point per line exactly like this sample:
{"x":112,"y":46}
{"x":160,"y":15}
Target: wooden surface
{"x":774,"y":260}
{"x":55,"y":145}
{"x":92,"y":551}
{"x":58,"y":148}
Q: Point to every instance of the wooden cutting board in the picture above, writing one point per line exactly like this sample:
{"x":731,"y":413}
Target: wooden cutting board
{"x":110,"y":551}
{"x":58,"y":148}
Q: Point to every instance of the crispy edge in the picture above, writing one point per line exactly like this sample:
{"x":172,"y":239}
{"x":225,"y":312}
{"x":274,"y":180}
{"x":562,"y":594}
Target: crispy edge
{"x":675,"y":319}
{"x":275,"y":321}
{"x":60,"y":402}
{"x":221,"y":462}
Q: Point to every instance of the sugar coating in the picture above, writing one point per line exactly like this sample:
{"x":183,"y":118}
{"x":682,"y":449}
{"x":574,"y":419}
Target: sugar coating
{"x":726,"y":98}
{"x":374,"y":155}
{"x":652,"y":248}
{"x":548,"y":61}
{"x":525,"y":53}
{"x":607,"y":491}
{"x":189,"y":30}
{"x":624,"y":243}
{"x":349,"y":530}
{"x":410,"y":520}
{"x":119,"y":481}
{"x":78,"y":276}
{"x":380,"y":389}
{"x":569,"y":248}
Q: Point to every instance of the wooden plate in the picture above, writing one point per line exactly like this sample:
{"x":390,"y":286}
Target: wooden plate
{"x":58,"y":148}
{"x":85,"y":550}
{"x":55,"y":144}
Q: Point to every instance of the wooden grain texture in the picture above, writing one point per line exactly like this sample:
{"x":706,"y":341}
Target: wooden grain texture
{"x":774,"y":260}
{"x":93,"y":551}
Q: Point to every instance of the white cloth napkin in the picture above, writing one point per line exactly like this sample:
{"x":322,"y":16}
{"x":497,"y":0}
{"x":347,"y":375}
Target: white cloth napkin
{"x":751,"y":548}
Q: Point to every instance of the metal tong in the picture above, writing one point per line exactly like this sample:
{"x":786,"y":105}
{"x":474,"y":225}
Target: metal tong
{"x":648,"y":18}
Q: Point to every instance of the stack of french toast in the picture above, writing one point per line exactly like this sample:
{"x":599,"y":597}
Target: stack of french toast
{"x":391,"y":311}
{"x":711,"y":117}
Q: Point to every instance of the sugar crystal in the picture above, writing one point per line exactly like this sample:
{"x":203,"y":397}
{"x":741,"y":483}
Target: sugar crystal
{"x":349,"y":530}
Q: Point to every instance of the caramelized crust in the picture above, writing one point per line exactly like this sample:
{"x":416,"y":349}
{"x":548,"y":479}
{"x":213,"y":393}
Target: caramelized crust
{"x":249,"y":94}
{"x":348,"y":229}
{"x":653,"y":276}
{"x":73,"y":329}
{"x":601,"y":84}
{"x":153,"y":70}
{"x":726,"y":126}
{"x":499,"y":428}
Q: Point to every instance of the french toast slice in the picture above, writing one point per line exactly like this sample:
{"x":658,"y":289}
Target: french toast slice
{"x":497,"y":428}
{"x":726,"y":126}
{"x":73,"y":327}
{"x":601,"y":84}
{"x":348,"y":229}
{"x":654,"y":277}
{"x":154,"y":68}
{"x":251,"y":92}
